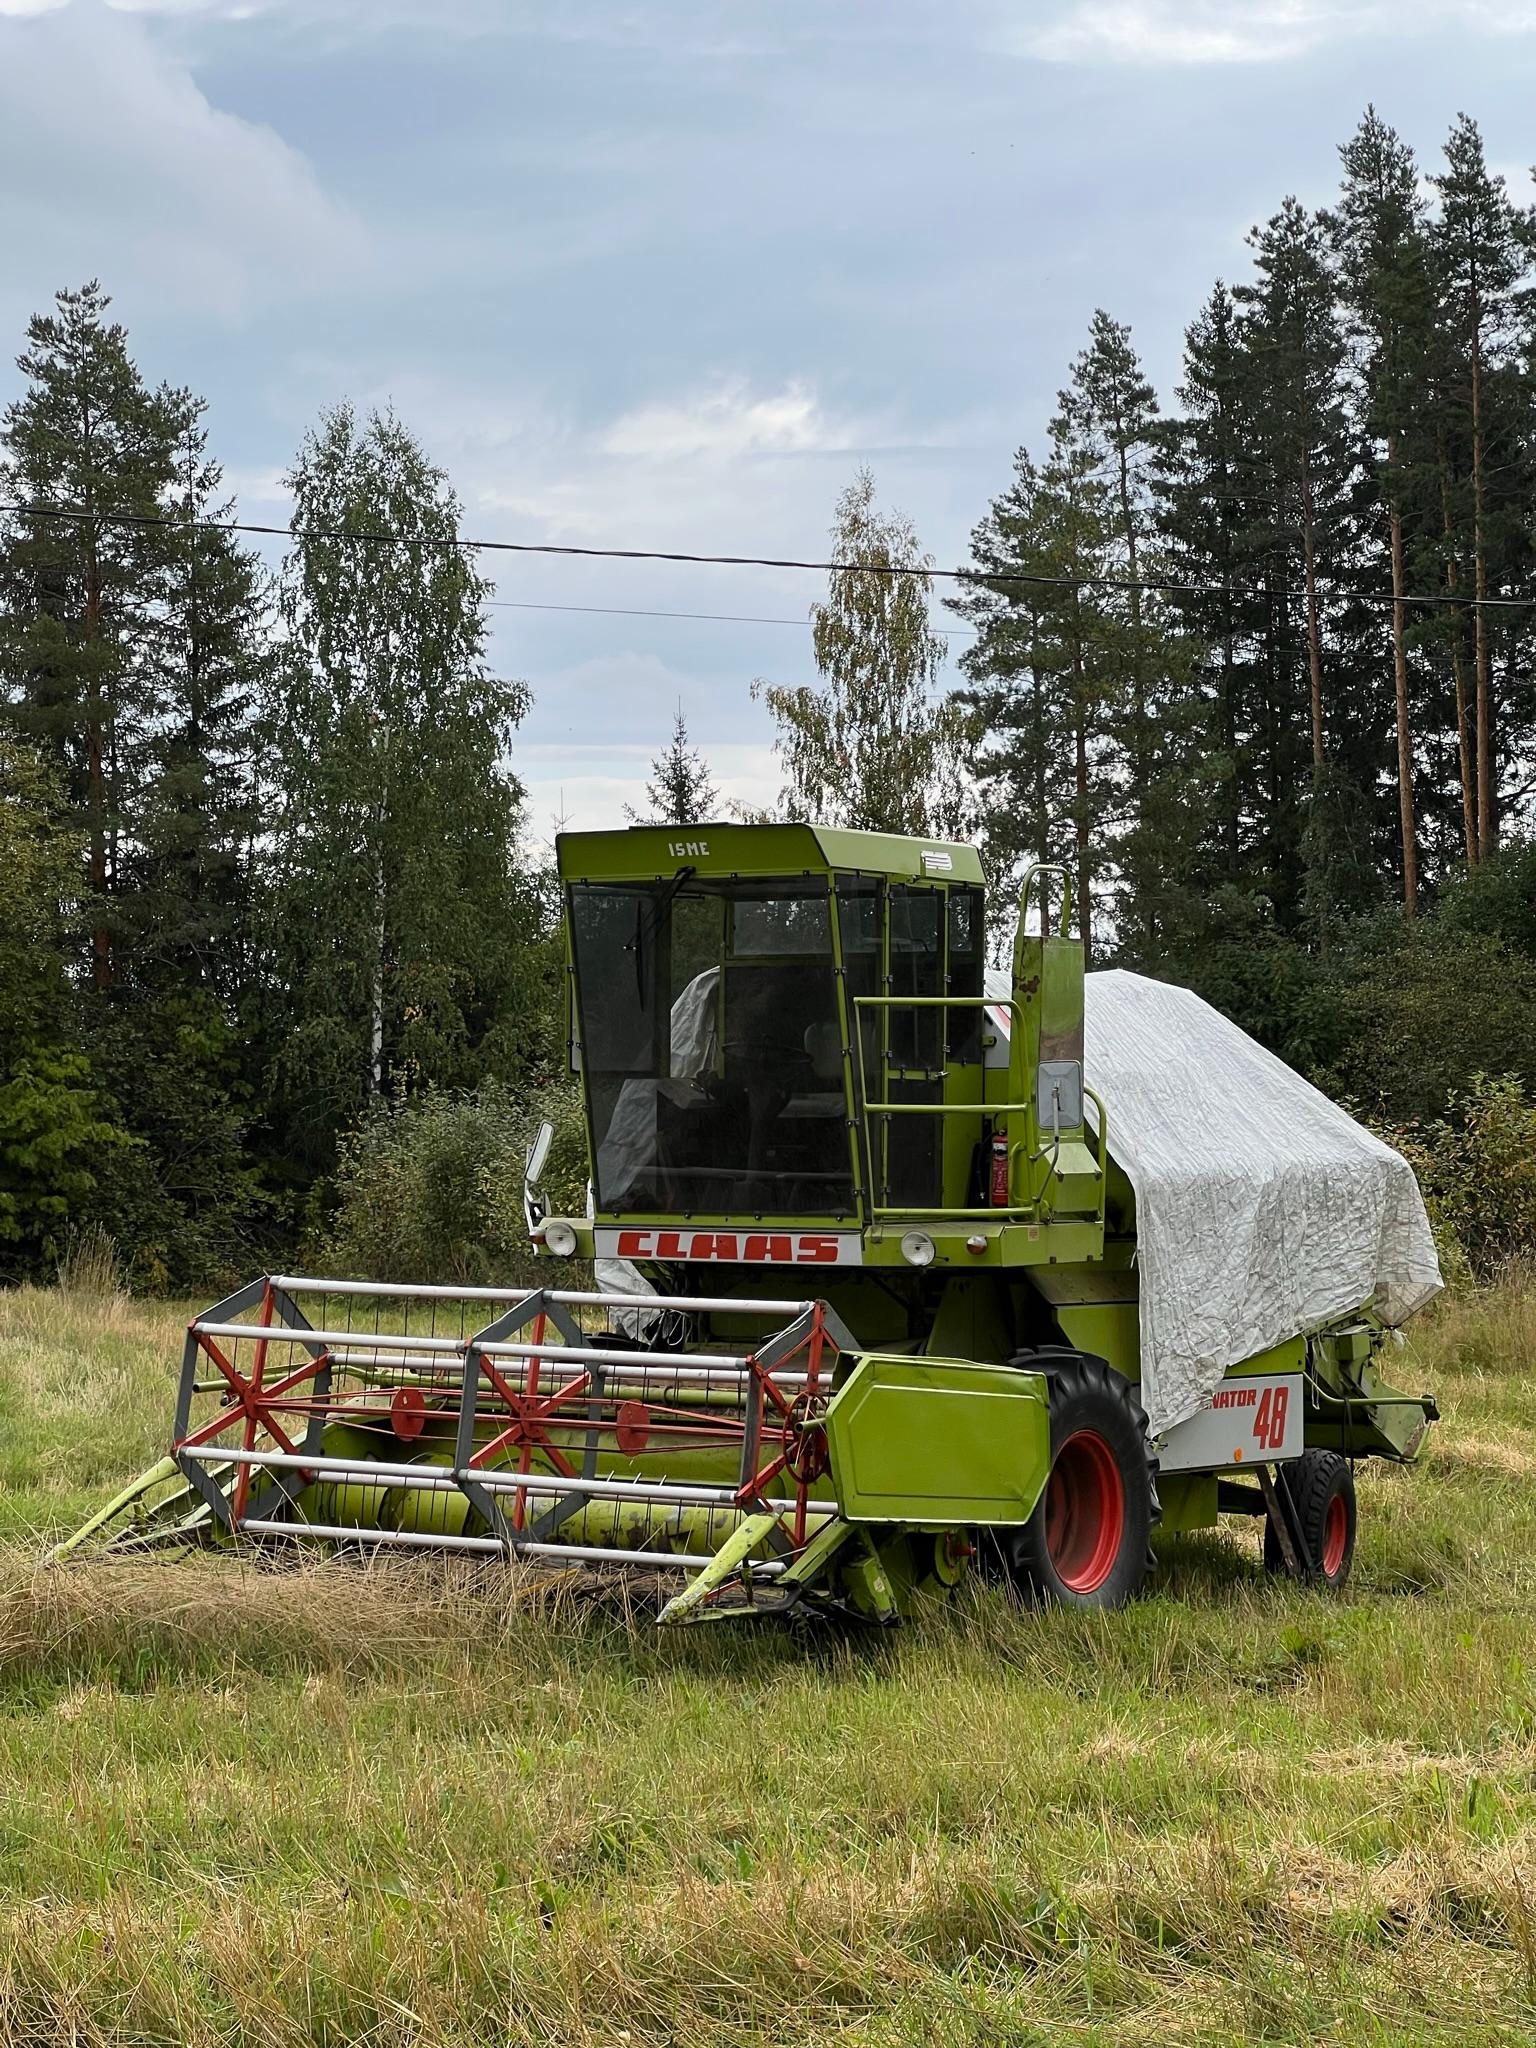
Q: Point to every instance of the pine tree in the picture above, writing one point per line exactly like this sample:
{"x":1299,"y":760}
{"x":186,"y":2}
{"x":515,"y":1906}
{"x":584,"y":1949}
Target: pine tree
{"x":1480,"y":247}
{"x":1294,"y":340}
{"x":1207,"y":509}
{"x":680,"y":791}
{"x":405,"y":939}
{"x":876,"y":750}
{"x":1305,"y":543}
{"x":1379,"y":229}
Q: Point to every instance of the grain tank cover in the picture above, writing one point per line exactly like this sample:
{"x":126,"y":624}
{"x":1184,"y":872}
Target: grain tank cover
{"x":1262,"y":1208}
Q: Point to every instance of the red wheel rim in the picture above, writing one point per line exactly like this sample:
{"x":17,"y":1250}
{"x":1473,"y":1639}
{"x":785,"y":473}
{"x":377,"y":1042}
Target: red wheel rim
{"x":1335,"y":1536}
{"x":1084,"y":1512}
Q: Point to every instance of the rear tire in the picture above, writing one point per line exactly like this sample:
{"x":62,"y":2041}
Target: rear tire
{"x":1087,"y":1544}
{"x":1322,"y":1486}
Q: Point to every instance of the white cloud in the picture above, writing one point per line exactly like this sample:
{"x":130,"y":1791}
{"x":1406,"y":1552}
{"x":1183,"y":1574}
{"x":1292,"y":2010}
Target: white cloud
{"x":729,"y":468}
{"x":726,"y":424}
{"x":1178,"y":32}
{"x":113,"y":162}
{"x":754,"y":473}
{"x":1247,"y":31}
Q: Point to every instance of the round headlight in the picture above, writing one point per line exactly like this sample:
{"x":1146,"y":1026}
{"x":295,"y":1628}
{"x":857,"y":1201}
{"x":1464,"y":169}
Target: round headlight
{"x":917,"y":1248}
{"x":560,"y":1238}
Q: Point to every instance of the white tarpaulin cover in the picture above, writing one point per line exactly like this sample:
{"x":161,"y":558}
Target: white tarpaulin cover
{"x":1261,"y":1207}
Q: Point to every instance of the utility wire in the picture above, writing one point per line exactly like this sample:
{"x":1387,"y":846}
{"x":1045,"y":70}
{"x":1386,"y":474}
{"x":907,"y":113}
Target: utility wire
{"x":624,"y":611}
{"x":985,"y":578}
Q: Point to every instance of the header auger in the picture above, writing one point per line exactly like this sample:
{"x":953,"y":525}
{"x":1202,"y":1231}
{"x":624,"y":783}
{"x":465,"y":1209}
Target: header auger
{"x":883,"y":1281}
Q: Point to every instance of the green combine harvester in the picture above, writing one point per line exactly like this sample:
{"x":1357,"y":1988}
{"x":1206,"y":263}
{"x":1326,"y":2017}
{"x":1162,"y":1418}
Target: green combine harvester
{"x":899,"y":1263}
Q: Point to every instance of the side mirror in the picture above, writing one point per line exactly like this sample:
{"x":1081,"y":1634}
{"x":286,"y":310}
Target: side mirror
{"x":1059,"y":1095}
{"x":538,"y":1155}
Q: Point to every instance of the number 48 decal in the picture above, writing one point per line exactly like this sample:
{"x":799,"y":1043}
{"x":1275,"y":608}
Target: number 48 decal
{"x":1269,"y":1421}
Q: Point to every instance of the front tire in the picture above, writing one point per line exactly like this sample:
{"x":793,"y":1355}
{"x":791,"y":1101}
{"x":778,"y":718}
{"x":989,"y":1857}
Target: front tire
{"x":1087,"y":1544}
{"x":1322,"y":1488}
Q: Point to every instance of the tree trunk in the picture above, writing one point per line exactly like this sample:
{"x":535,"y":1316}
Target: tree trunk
{"x":1140,"y":750}
{"x":1230,"y":824}
{"x":1273,"y":722}
{"x":1314,"y":634}
{"x":1042,"y":805}
{"x":1458,"y":673}
{"x":1404,"y":727}
{"x":96,"y":773}
{"x":376,"y":988}
{"x":376,"y":993}
{"x":1487,"y":824}
{"x":1132,"y":563}
{"x":1084,"y":847}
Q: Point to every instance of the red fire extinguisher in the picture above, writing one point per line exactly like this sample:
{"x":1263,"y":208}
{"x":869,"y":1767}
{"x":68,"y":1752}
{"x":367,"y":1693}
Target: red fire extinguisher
{"x":999,"y":1170}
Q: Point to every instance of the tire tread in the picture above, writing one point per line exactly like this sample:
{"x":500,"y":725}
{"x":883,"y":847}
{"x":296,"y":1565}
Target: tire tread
{"x":1075,"y":1375}
{"x":1312,"y":1479}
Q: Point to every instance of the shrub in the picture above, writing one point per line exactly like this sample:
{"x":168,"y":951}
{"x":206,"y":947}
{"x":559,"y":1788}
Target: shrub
{"x":430,"y":1186}
{"x":1477,"y":1168}
{"x":1483,"y":1171}
{"x":1420,"y":1012}
{"x":1413,"y":1142}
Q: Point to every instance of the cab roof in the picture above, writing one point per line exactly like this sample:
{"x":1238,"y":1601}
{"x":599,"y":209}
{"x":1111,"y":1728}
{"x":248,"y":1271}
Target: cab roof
{"x":650,"y":852}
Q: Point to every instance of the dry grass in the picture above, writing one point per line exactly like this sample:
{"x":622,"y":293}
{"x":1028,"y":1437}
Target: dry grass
{"x":89,"y":1267}
{"x":429,"y":1805}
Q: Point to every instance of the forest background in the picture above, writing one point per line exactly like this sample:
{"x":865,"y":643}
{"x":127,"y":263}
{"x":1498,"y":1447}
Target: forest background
{"x":280,"y":965}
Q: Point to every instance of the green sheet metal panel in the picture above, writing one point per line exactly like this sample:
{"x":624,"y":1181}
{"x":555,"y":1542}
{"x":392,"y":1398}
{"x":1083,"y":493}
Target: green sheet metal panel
{"x":777,"y":849}
{"x":938,"y":1441}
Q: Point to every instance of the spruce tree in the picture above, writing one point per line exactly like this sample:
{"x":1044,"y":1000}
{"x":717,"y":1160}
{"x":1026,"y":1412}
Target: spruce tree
{"x":1045,"y":673}
{"x":130,"y":641}
{"x":81,"y":593}
{"x":215,"y":657}
{"x":679,"y":791}
{"x":177,"y":1047}
{"x":878,"y":749}
{"x":1110,"y":410}
{"x":55,"y":1129}
{"x":405,"y":938}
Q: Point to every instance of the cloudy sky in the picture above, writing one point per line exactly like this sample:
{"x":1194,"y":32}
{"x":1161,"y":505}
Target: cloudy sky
{"x":662,"y":273}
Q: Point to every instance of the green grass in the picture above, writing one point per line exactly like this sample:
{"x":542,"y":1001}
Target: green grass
{"x":420,"y":1805}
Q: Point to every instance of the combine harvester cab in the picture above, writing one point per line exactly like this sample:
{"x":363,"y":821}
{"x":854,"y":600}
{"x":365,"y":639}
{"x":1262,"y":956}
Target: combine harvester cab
{"x":897,"y":1262}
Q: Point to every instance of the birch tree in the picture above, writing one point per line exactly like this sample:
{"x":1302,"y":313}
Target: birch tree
{"x":398,"y":909}
{"x":879,"y":748}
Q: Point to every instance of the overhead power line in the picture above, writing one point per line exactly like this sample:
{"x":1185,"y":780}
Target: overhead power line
{"x":626,"y":611}
{"x":982,"y":578}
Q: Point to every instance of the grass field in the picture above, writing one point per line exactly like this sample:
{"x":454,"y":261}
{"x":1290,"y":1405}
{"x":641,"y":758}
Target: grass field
{"x":414,"y":1805}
